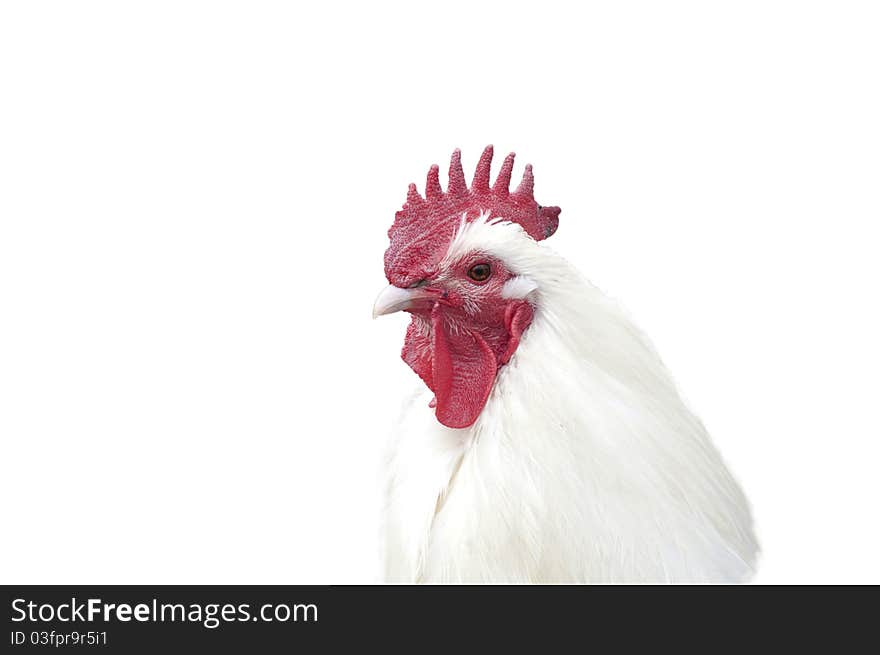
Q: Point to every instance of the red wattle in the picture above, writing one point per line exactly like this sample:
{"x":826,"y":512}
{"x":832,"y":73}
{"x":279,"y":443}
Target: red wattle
{"x":464,"y":371}
{"x":417,"y":353}
{"x":459,"y":365}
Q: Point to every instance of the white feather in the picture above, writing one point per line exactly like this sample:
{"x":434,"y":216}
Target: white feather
{"x":584,"y":466}
{"x":518,"y":287}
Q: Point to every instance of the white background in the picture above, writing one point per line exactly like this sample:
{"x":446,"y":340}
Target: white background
{"x":193,"y":206}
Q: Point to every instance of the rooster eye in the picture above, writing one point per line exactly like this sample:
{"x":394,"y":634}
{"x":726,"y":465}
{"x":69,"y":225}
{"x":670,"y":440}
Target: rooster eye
{"x":479,"y":272}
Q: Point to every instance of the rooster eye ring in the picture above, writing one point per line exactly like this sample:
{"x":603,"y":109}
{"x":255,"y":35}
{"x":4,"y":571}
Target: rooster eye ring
{"x":479,"y":272}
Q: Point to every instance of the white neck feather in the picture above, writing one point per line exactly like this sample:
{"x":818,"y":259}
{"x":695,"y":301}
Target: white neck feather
{"x":584,"y":465}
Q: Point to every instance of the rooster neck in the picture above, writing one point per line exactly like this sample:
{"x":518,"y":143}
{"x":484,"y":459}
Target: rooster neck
{"x":584,"y":465}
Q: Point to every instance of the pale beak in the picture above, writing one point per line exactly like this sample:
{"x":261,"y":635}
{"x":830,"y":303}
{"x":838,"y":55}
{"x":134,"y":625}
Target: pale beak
{"x":394,"y":299}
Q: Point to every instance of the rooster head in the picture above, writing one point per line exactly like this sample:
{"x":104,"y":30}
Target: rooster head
{"x":469,"y":307}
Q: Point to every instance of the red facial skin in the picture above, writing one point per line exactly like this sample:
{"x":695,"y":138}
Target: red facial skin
{"x":462,"y":332}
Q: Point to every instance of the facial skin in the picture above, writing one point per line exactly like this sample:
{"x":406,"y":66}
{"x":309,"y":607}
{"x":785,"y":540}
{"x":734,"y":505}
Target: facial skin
{"x":463,"y":330}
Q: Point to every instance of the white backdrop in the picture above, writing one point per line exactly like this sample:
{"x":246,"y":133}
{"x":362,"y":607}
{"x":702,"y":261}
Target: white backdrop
{"x":193,"y":206}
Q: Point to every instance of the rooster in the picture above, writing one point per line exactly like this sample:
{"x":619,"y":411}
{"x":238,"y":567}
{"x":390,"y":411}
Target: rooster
{"x":548,"y":443}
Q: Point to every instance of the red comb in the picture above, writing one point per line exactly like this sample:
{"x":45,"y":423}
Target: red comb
{"x":423,"y":227}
